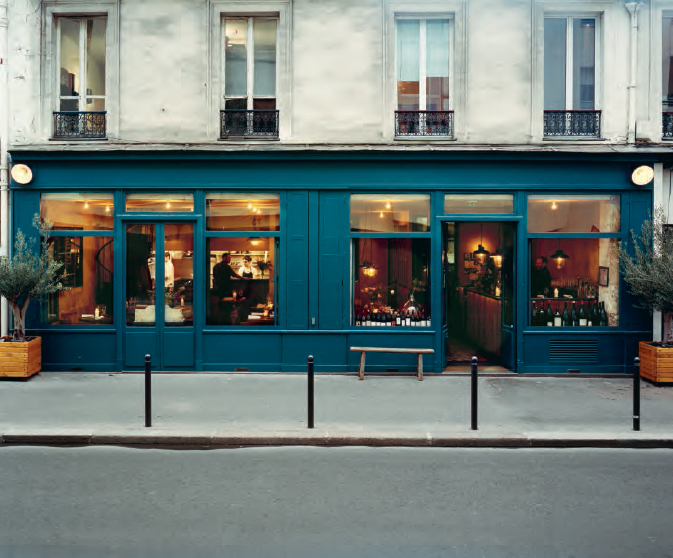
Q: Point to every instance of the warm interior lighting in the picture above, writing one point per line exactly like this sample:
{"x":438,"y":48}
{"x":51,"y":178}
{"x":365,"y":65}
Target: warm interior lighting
{"x":388,"y":206}
{"x":107,"y":209}
{"x":554,"y":206}
{"x":254,"y":241}
{"x":559,"y":257}
{"x":497,"y":259}
{"x":369,"y":271}
{"x":168,"y":205}
{"x":381,"y":215}
{"x":481,"y":253}
{"x":86,"y":205}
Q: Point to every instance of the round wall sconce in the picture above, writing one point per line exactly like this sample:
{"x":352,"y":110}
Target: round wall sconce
{"x":21,"y":174}
{"x":643,"y":175}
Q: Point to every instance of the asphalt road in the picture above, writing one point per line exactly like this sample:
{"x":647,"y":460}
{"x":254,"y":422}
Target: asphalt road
{"x":356,"y":502}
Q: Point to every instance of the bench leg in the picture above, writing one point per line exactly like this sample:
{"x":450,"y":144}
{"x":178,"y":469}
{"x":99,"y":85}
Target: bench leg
{"x":361,"y":372}
{"x":419,"y":367}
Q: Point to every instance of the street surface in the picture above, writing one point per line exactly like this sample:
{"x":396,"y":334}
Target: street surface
{"x":333,"y":502}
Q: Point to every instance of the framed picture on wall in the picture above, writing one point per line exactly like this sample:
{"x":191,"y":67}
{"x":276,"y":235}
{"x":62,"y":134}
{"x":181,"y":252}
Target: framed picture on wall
{"x":603,"y":276}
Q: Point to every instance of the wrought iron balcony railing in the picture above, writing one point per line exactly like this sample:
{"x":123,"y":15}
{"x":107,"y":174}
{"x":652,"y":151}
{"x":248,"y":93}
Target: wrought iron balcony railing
{"x":572,"y":123}
{"x":667,"y":125}
{"x":250,"y":124}
{"x":80,"y":125}
{"x":422,"y":123}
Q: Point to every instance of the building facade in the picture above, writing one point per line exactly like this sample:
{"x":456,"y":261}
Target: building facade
{"x":234,"y":185}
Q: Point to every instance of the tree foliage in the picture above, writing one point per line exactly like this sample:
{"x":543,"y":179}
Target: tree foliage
{"x":29,"y":273}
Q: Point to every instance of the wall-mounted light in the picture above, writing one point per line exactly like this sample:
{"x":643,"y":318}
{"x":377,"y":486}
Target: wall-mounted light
{"x":643,"y":175}
{"x":21,"y":174}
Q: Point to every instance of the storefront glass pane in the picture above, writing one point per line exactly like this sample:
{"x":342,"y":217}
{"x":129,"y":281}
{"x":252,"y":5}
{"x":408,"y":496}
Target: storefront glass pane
{"x":140,"y":265}
{"x":390,"y":213}
{"x":178,"y":275}
{"x":86,"y":276}
{"x":574,"y":214}
{"x":585,"y":284}
{"x":242,"y":212}
{"x":475,"y":203}
{"x":82,"y":212}
{"x":242,"y":281}
{"x":159,"y":202}
{"x":390,"y":278}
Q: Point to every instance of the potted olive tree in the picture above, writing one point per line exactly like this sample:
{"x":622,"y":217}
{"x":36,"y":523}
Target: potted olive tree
{"x":29,"y":273}
{"x":649,"y":274}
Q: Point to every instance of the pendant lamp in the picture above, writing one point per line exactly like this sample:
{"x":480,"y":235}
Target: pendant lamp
{"x":560,"y":257}
{"x":481,"y":253}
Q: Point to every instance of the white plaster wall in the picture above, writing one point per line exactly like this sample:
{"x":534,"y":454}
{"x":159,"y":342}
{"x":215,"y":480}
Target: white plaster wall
{"x":340,"y":71}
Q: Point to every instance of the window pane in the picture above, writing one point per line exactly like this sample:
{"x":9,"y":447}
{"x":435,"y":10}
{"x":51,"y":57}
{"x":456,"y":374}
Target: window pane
{"x":242,"y":212}
{"x":69,"y":59}
{"x":667,"y":63}
{"x":390,"y":213}
{"x":437,"y":58}
{"x":584,"y":64}
{"x":242,"y":281}
{"x":235,"y":57}
{"x":87,"y":279}
{"x":264,"y":104}
{"x":264,"y":32}
{"x":95,"y":57}
{"x":95,"y":104}
{"x":554,"y":63}
{"x":390,"y":277}
{"x":140,"y":266}
{"x":484,"y":204}
{"x":179,"y":275}
{"x":408,"y":64}
{"x":583,"y":286}
{"x":574,"y":214}
{"x":88,"y":212}
{"x":159,"y":202}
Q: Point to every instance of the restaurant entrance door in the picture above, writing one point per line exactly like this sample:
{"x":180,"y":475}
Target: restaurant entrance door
{"x":159,"y":295}
{"x":478,"y":292}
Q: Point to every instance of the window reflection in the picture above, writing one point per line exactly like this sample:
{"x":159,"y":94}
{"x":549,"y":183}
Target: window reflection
{"x":242,"y":212}
{"x":78,"y":211}
{"x":478,"y":203}
{"x":591,"y":214}
{"x":159,"y":202}
{"x":242,"y":281}
{"x":389,"y":213}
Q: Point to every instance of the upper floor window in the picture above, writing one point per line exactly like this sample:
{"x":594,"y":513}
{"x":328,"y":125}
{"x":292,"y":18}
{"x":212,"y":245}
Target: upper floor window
{"x":250,"y":46}
{"x":422,"y":76}
{"x":570,"y":92}
{"x":81,"y":77}
{"x":667,"y":76}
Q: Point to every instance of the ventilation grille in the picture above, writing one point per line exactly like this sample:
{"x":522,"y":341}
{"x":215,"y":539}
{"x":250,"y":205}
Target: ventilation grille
{"x":573,"y":351}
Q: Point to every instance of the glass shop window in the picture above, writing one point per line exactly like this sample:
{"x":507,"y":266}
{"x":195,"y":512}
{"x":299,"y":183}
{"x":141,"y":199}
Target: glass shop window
{"x":391,"y":282}
{"x":87,"y":279}
{"x":574,"y":282}
{"x":159,"y":202}
{"x":390,"y":213}
{"x":574,"y":214}
{"x":78,"y":211}
{"x":242,"y":212}
{"x":242,"y":281}
{"x":467,"y":204}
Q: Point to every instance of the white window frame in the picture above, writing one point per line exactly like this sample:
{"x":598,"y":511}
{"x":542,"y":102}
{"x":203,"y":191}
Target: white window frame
{"x":659,"y":12}
{"x":219,"y":11}
{"x":453,"y":10}
{"x":50,"y":71}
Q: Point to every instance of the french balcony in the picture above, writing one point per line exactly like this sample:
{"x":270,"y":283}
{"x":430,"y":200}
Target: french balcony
{"x":667,"y":125}
{"x":249,"y":124}
{"x":74,"y":125}
{"x":572,"y":123}
{"x":424,"y":123}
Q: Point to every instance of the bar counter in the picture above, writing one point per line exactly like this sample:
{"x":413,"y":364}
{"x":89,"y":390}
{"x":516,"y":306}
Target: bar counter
{"x":483,"y":314}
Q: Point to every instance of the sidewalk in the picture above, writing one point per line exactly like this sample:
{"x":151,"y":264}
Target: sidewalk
{"x":201,"y":410}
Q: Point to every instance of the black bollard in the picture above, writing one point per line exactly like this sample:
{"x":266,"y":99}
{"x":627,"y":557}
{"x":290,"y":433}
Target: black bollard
{"x":148,"y":391}
{"x":636,"y":393}
{"x":311,"y":384}
{"x":475,"y":402}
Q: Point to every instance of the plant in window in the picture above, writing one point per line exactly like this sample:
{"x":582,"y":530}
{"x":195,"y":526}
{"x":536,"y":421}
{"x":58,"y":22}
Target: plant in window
{"x":29,"y":273}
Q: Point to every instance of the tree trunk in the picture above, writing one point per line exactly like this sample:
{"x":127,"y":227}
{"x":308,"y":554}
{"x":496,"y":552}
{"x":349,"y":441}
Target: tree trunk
{"x":668,"y":328}
{"x":20,"y":320}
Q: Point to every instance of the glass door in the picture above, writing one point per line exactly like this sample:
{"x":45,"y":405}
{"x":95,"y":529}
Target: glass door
{"x":159,"y":295}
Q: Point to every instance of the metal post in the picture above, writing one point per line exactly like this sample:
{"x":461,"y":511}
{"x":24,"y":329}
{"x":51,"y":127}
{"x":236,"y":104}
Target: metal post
{"x":636,"y":393}
{"x":148,"y":391}
{"x":311,"y":385}
{"x":475,"y":402}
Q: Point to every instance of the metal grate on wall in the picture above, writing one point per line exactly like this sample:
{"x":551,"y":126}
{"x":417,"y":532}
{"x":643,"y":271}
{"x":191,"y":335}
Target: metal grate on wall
{"x":573,"y":351}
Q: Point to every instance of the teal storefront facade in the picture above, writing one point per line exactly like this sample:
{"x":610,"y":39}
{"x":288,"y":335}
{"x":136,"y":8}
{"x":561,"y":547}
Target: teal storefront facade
{"x":314,"y":257}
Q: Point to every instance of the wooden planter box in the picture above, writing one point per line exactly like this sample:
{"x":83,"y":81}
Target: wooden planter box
{"x":656,"y":363}
{"x":20,"y":360}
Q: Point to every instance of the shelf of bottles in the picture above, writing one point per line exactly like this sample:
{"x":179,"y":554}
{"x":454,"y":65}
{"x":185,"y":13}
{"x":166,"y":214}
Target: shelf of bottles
{"x":388,"y":317}
{"x":565,"y":312}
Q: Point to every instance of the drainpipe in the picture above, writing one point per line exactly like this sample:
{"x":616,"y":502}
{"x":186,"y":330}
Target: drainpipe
{"x":633,"y":8}
{"x":4,"y":164}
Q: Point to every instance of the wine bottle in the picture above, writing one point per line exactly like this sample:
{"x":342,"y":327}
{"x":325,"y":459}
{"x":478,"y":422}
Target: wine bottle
{"x":358,"y":319}
{"x":534,"y":316}
{"x":604,"y":315}
{"x":573,"y":316}
{"x":424,"y":321}
{"x":582,"y":315}
{"x":368,"y":319}
{"x":407,"y":318}
{"x":566,"y":317}
{"x":550,"y":315}
{"x":427,"y":320}
{"x":593,"y":313}
{"x":414,"y":319}
{"x":558,"y":320}
{"x":398,"y":320}
{"x":390,"y":319}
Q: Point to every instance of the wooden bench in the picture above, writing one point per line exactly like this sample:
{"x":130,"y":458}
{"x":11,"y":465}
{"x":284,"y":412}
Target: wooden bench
{"x":418,"y":352}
